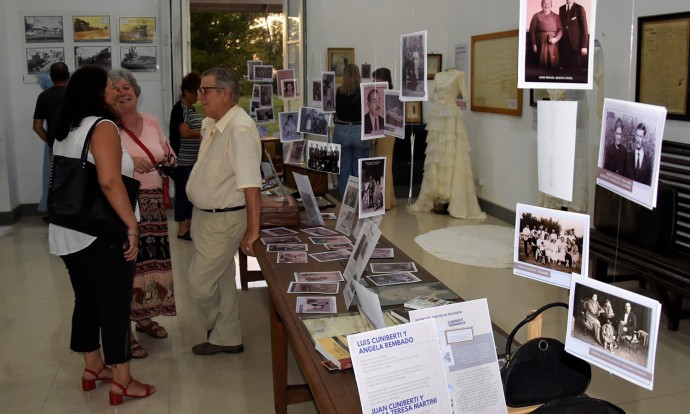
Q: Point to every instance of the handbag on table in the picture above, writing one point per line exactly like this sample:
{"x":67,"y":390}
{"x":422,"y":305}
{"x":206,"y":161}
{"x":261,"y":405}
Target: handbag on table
{"x":541,"y":370}
{"x":75,"y":198}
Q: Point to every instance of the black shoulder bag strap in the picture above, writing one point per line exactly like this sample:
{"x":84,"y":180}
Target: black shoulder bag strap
{"x":529,"y":319}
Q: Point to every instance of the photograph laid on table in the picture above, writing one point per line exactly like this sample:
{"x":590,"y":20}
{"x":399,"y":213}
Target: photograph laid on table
{"x":333,"y":276}
{"x":338,"y":246}
{"x":614,"y":329}
{"x":394,"y":109}
{"x":328,"y":87}
{"x":329,"y":239}
{"x":392,"y":267}
{"x":313,"y":287}
{"x":316,"y":304}
{"x":312,"y":121}
{"x":383,"y":253}
{"x":292,"y":257}
{"x":250,"y":68}
{"x":373,"y":109}
{"x":322,"y":156}
{"x":283,"y":74}
{"x":279,"y":231}
{"x":630,"y":150}
{"x":397,"y":278}
{"x":372,"y":187}
{"x":287,"y":247}
{"x":280,"y":240}
{"x":288,"y":126}
{"x":332,"y":255}
{"x":319,"y":231}
{"x":413,"y":67}
{"x":550,"y":245}
{"x":556,"y":44}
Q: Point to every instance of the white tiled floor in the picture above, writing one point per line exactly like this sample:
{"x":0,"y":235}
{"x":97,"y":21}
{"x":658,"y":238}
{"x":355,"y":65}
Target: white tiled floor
{"x":39,"y":374}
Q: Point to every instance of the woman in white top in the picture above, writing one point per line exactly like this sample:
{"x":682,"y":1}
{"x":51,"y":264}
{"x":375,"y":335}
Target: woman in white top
{"x":100,"y":268}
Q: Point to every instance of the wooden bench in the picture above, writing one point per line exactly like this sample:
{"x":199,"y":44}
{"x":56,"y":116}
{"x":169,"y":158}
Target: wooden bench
{"x":652,"y":244}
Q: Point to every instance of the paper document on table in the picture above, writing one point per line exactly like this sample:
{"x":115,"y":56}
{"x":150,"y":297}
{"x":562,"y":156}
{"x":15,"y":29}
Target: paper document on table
{"x":556,"y":147}
{"x":370,"y":305}
{"x":310,"y":206}
{"x":468,"y":353}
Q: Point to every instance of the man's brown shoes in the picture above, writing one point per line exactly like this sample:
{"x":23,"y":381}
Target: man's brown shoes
{"x":208,"y":348}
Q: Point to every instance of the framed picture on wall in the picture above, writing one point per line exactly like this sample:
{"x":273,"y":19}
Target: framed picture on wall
{"x":137,"y":29}
{"x":91,"y":28}
{"x":43,"y":29}
{"x":338,"y":58}
{"x":663,"y":63}
{"x":39,"y":59}
{"x":413,"y":112}
{"x":93,"y":55}
{"x":433,"y":64}
{"x":139,"y":58}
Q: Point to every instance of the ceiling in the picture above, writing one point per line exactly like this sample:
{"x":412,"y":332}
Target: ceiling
{"x":243,"y":6}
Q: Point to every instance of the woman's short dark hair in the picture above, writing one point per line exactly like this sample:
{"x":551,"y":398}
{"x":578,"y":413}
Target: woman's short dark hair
{"x":385,"y":75}
{"x":84,"y":96}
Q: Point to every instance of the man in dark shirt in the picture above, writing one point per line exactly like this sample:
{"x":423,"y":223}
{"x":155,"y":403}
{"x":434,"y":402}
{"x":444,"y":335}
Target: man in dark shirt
{"x":47,"y":105}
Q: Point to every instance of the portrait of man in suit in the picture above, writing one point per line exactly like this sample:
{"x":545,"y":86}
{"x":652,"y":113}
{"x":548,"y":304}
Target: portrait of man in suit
{"x":638,"y":165}
{"x":615,"y":152}
{"x":574,"y":45}
{"x":373,"y":122}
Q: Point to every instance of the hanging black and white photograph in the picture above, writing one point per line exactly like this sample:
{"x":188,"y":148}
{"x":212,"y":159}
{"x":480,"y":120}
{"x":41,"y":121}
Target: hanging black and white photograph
{"x":289,"y":88}
{"x":295,"y":152}
{"x":265,"y":115}
{"x":43,"y":29}
{"x":413,"y":67}
{"x":315,"y":98}
{"x":263,"y":73}
{"x":93,"y":55}
{"x":139,"y":58}
{"x":556,"y":44}
{"x":265,"y":95}
{"x":322,"y":156}
{"x":283,"y":74}
{"x":372,"y":187}
{"x":312,"y":121}
{"x":372,"y":109}
{"x":630,"y":150}
{"x":288,"y":126}
{"x":550,"y":245}
{"x":366,"y":71}
{"x":39,"y":59}
{"x":394,"y":109}
{"x":250,"y":68}
{"x":614,"y":329}
{"x":328,"y":91}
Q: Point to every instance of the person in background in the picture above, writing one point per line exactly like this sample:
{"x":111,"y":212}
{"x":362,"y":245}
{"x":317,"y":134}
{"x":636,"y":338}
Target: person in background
{"x":383,"y":147}
{"x":348,"y":130}
{"x":47,"y":104}
{"x":100,"y":268}
{"x":224,"y":187}
{"x":545,"y":30}
{"x":141,"y":135}
{"x":185,"y":138}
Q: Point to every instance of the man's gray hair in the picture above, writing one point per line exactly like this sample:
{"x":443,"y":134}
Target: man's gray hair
{"x":225,"y":78}
{"x":117,"y":74}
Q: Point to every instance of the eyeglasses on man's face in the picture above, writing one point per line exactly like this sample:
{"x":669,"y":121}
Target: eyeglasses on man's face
{"x":204,"y":89}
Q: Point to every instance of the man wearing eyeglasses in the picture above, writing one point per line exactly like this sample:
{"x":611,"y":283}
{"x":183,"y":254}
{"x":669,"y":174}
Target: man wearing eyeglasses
{"x":224,"y":188}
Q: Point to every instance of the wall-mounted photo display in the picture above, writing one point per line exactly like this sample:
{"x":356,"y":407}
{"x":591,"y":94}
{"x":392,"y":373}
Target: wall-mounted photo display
{"x":312,"y":121}
{"x":288,"y":126}
{"x":139,"y":58}
{"x":93,"y":55}
{"x":338,"y":57}
{"x":263,"y":73}
{"x":614,"y":329}
{"x":413,"y":68}
{"x":91,"y":28}
{"x":550,"y":245}
{"x":250,"y":68}
{"x":137,"y":29}
{"x":395,"y":114}
{"x":39,"y":59}
{"x":43,"y":29}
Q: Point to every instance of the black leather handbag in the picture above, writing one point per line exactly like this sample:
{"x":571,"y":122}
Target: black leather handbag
{"x":541,"y":370}
{"x":578,"y":405}
{"x":75,"y":199}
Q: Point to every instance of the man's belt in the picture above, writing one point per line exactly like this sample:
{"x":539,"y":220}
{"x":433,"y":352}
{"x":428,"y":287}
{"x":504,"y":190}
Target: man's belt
{"x":222,"y":210}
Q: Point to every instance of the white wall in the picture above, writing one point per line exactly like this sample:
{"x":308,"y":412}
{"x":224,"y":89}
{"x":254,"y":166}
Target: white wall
{"x":504,"y":149}
{"x":20,"y":177}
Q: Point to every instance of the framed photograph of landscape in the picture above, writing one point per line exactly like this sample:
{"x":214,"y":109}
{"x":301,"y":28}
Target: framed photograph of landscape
{"x":39,"y":59}
{"x":43,"y":29}
{"x":495,"y":64}
{"x":139,"y":58}
{"x":663,"y":63}
{"x":91,"y":28}
{"x":137,"y":29}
